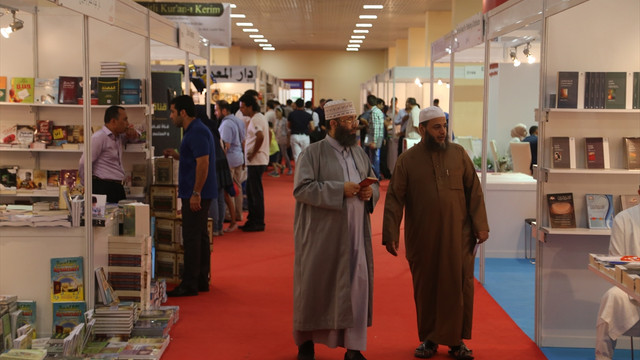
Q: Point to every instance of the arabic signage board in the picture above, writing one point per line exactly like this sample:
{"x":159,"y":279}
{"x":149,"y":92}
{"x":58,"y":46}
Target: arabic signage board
{"x":234,"y":74}
{"x":211,"y":20}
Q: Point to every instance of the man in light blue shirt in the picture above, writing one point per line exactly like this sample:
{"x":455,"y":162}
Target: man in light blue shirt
{"x":232,"y":133}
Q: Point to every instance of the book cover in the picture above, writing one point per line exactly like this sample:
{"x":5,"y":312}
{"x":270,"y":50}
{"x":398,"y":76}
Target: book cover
{"x":25,"y":134}
{"x":45,"y":91}
{"x":628,"y":201}
{"x":98,"y":205}
{"x":5,"y":326}
{"x":3,"y":88}
{"x":108,"y":91}
{"x":563,"y":152}
{"x":632,"y":152}
{"x":40,"y":179}
{"x":43,"y":132}
{"x":8,"y":178}
{"x":597,"y":152}
{"x":67,"y":315}
{"x":107,"y":295}
{"x":567,"y":89}
{"x":29,"y":314}
{"x":25,"y":179}
{"x":616,"y":90}
{"x":599,"y":211}
{"x":59,"y":135}
{"x":68,"y":177}
{"x":68,"y":88}
{"x":587,"y":90}
{"x":130,"y":91}
{"x":635,"y":94}
{"x":75,"y":134}
{"x":21,"y":90}
{"x":53,"y":179}
{"x":93,"y":91}
{"x":67,"y":282}
{"x":561,"y":210}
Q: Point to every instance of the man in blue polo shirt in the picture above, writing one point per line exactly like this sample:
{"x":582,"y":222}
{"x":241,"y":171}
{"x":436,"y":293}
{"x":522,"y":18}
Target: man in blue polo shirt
{"x":197,"y":186}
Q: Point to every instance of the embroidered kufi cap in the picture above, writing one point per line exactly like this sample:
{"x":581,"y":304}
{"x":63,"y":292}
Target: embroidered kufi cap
{"x":432,"y":112}
{"x":338,"y":108}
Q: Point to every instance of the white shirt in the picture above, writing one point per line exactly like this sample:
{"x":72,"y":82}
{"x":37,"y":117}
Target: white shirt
{"x":258,"y":123}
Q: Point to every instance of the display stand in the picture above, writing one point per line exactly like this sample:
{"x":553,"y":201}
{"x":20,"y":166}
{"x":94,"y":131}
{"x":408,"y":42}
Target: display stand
{"x":567,"y":294}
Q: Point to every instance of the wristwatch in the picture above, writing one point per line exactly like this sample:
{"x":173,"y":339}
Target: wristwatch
{"x":195,"y":193}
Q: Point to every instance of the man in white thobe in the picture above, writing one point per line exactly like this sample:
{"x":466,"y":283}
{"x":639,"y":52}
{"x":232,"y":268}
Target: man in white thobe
{"x":333,"y":266}
{"x":619,"y":313}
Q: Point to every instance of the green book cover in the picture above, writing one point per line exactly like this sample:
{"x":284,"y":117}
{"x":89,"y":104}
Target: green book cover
{"x":21,"y":90}
{"x":3,"y":88}
{"x":616,"y":90}
{"x":28,"y":308}
{"x":108,"y":91}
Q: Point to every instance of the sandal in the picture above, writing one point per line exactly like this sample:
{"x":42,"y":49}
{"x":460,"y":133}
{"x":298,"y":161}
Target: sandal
{"x":426,"y":350}
{"x":461,"y":352}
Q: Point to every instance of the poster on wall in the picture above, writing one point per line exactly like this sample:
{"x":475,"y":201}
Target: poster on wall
{"x":211,"y":20}
{"x":164,"y":134}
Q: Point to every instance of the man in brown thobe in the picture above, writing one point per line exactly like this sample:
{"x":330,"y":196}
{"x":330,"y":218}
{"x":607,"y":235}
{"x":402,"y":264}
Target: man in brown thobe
{"x":437,"y":183}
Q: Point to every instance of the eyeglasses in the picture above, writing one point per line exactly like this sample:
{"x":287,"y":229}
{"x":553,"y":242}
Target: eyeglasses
{"x":353,"y":121}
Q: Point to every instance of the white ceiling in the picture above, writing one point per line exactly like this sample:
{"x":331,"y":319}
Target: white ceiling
{"x":329,"y":24}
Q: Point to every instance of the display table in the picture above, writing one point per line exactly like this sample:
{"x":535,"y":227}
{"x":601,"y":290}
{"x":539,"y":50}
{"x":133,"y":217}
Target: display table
{"x":630,"y":292}
{"x":510,"y":199}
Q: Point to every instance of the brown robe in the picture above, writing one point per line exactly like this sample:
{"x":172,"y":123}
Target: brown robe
{"x":445,"y":206}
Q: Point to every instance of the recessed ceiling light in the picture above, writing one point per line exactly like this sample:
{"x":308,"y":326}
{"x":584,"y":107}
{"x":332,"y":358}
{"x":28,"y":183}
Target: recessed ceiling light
{"x":256,"y":36}
{"x":250,"y":30}
{"x":244,"y":24}
{"x":354,"y":45}
{"x":269,"y":48}
{"x":352,"y":49}
{"x":372,"y":7}
{"x":355,"y":41}
{"x":357,"y":31}
{"x":358,"y":36}
{"x":233,"y":6}
{"x":238,"y":16}
{"x":364,"y":25}
{"x":260,"y":40}
{"x":263,"y":45}
{"x":372,"y":17}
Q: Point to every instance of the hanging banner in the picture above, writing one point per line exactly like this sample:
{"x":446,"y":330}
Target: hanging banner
{"x":104,"y":10}
{"x":211,"y":20}
{"x":234,"y":74}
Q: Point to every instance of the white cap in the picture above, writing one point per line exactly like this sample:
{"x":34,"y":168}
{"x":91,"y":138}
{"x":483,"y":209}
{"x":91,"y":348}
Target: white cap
{"x":338,"y":108}
{"x":432,"y":112}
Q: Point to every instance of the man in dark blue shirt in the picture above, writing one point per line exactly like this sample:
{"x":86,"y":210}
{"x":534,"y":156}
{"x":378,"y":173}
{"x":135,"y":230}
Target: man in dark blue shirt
{"x":532,"y":139}
{"x":197,"y":186}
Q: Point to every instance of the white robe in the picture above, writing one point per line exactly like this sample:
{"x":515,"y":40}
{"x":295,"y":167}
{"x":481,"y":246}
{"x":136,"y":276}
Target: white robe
{"x":619,"y":314}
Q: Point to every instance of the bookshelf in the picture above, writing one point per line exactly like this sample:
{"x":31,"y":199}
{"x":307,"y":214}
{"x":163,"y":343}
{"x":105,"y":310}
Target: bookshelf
{"x":565,"y":289}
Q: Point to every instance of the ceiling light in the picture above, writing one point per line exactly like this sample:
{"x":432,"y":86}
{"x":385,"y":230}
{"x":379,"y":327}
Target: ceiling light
{"x":233,"y":6}
{"x":244,"y":24}
{"x":263,"y":45}
{"x":358,"y":37}
{"x":527,"y":52}
{"x":372,"y":7}
{"x":370,"y":17}
{"x":260,"y":40}
{"x":418,"y":82}
{"x":439,"y":81}
{"x":269,"y":48}
{"x":364,"y":25}
{"x":352,"y":49}
{"x":514,"y":58}
{"x":358,"y":31}
{"x":354,"y":45}
{"x":250,"y":30}
{"x":256,"y":36}
{"x":355,"y":41}
{"x":15,"y":25}
{"x":238,"y":16}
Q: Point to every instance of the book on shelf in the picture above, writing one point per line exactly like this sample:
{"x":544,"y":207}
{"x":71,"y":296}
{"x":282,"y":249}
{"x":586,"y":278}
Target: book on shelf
{"x":59,"y":135}
{"x":93,"y":91}
{"x":68,"y":89}
{"x":628,"y":201}
{"x":67,"y":279}
{"x":594,"y":90}
{"x":29,"y":314}
{"x":563,"y":152}
{"x":8,"y":178}
{"x":21,"y":90}
{"x":25,"y":134}
{"x":23,"y":341}
{"x":136,"y":219}
{"x":68,"y":146}
{"x":599,"y":211}
{"x":8,"y":134}
{"x":45,"y":91}
{"x":105,"y":291}
{"x":635,"y":91}
{"x":130,"y":91}
{"x":53,"y":179}
{"x":632,"y":152}
{"x":597,"y":152}
{"x":3,"y":88}
{"x":43,"y":132}
{"x":108,"y":91}
{"x":6,"y":341}
{"x":75,"y":134}
{"x":615,"y":90}
{"x":25,"y":179}
{"x":561,"y":210}
{"x":67,"y":315}
{"x":40,"y":179}
{"x":567,"y":90}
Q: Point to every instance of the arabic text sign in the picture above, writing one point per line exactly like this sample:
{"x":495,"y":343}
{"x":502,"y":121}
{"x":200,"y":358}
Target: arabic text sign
{"x":234,"y":74}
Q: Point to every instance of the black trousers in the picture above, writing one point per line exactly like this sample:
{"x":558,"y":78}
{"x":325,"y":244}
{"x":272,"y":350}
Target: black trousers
{"x":255,"y":195}
{"x":195,"y":237}
{"x":113,"y":190}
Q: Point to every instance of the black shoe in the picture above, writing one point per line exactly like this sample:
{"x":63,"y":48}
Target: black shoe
{"x":306,"y":351}
{"x":181,"y":291}
{"x":247,"y":224}
{"x":461,"y":352}
{"x":426,"y":350}
{"x":253,"y":228}
{"x":354,"y":355}
{"x":203,"y":288}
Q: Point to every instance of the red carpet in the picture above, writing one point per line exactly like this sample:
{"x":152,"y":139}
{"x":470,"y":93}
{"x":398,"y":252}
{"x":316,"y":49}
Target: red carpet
{"x":248,"y":313}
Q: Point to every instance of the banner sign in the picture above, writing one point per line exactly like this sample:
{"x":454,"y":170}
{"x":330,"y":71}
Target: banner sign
{"x":211,"y":20}
{"x":104,"y":10}
{"x":234,"y":74}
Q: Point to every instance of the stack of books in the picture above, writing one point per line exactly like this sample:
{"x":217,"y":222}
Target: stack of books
{"x":130,"y":268}
{"x":115,"y":320}
{"x":113,"y":69}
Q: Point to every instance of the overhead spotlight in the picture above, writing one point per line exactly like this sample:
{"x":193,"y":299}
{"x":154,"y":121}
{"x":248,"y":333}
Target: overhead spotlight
{"x":15,"y":25}
{"x":514,"y":58}
{"x":418,"y":82}
{"x":527,"y":52}
{"x":439,"y":82}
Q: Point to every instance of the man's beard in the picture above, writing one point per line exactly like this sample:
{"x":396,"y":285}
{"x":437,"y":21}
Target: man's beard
{"x":433,"y":144}
{"x":344,"y":136}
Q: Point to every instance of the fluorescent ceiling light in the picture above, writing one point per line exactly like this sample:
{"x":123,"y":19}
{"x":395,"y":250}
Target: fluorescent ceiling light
{"x":256,"y":36}
{"x":354,"y":45}
{"x":244,"y":24}
{"x":352,"y":49}
{"x":358,"y":31}
{"x":238,"y":16}
{"x":364,"y":25}
{"x":250,"y":30}
{"x":260,"y":40}
{"x":371,"y":17}
{"x":355,"y":41}
{"x":269,"y":48}
{"x":372,"y":7}
{"x":233,"y":6}
{"x":358,"y":37}
{"x":263,"y":45}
